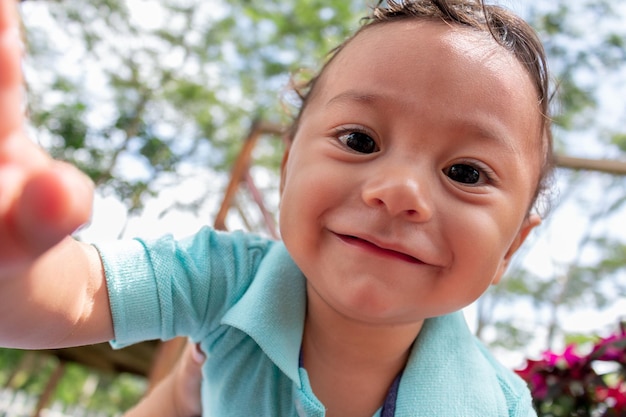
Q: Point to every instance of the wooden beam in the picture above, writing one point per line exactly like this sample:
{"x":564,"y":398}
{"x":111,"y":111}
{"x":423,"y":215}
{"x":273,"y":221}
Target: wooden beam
{"x":609,"y":166}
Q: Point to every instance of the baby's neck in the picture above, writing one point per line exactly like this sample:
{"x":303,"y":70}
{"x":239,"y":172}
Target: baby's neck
{"x":351,"y":365}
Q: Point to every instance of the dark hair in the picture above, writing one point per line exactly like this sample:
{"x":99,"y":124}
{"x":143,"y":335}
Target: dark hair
{"x":506,"y":28}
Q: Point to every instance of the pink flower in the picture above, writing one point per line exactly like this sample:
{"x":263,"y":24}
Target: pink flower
{"x":535,"y":375}
{"x":614,"y":397}
{"x":571,"y":358}
{"x":612,"y":348}
{"x":567,"y":382}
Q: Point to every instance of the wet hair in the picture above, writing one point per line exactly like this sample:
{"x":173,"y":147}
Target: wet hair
{"x":507,"y":29}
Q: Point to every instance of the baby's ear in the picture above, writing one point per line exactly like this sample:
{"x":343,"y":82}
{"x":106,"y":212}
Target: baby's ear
{"x":530,"y":222}
{"x":283,"y":169}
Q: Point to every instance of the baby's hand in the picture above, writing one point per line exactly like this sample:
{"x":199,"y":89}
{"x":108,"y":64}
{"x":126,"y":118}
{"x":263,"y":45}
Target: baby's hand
{"x":178,"y":394}
{"x":188,"y":378}
{"x":41,"y":200}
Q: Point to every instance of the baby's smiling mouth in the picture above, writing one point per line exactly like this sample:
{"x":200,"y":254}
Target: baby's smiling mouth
{"x":377,"y":250}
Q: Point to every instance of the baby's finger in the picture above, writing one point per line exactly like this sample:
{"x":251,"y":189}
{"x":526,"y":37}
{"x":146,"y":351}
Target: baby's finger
{"x":11,"y":89}
{"x":52,"y":205}
{"x":7,"y":13}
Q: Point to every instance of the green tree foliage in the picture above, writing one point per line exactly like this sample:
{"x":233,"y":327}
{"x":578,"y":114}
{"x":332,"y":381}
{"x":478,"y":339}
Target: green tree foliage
{"x":104,"y":392}
{"x":130,"y":90}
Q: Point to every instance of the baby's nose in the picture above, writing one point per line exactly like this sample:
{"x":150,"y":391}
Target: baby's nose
{"x":401,"y":192}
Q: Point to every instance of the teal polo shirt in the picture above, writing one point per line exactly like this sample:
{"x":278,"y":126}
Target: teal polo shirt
{"x":243,"y":299}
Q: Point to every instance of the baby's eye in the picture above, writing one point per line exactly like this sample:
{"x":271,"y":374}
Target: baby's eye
{"x":358,"y":141}
{"x":464,"y":173}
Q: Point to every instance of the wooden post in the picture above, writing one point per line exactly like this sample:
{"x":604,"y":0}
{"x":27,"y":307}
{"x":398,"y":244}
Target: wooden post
{"x":240,"y":168}
{"x":45,"y":396}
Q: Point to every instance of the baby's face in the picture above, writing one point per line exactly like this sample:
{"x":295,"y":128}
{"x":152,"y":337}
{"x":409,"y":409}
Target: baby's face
{"x":407,"y":186}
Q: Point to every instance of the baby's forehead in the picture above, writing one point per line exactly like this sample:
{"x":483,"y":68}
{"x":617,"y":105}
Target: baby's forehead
{"x":422,"y":47}
{"x":387,"y":42}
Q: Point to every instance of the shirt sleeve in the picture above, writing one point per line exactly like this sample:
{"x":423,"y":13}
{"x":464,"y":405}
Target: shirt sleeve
{"x":163,"y":288}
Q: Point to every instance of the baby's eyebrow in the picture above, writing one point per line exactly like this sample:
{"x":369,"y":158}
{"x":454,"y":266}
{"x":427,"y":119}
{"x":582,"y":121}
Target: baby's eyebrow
{"x":355,"y":95}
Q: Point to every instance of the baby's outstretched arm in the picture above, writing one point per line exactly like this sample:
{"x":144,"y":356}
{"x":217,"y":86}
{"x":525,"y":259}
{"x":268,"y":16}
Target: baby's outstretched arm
{"x":52,"y":290}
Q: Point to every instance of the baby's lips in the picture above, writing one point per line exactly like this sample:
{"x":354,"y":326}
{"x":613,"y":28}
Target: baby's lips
{"x":54,"y":203}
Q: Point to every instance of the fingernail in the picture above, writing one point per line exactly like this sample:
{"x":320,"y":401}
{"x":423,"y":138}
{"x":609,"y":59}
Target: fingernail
{"x":197,"y":354}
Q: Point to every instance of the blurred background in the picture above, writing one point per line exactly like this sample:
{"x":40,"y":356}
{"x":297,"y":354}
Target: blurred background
{"x":156,"y":101}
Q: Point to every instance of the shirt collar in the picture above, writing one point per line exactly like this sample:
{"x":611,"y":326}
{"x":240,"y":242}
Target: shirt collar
{"x":272,"y":310}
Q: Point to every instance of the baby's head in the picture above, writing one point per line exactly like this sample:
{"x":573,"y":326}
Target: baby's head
{"x":506,"y":28}
{"x":417,"y":155}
